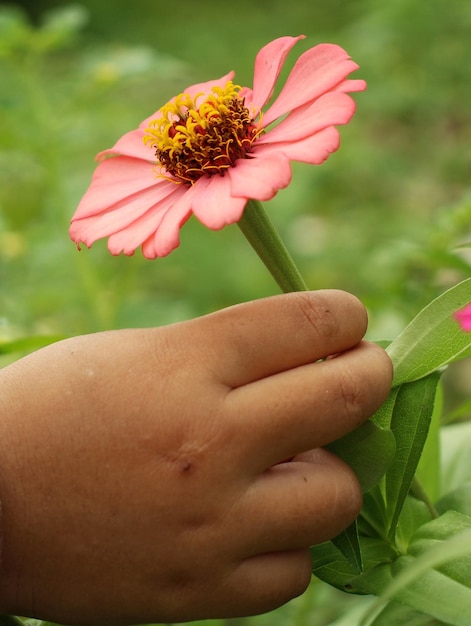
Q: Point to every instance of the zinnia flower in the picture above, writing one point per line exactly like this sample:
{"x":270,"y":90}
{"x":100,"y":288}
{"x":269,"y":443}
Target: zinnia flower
{"x":210,"y":149}
{"x":463,"y":317}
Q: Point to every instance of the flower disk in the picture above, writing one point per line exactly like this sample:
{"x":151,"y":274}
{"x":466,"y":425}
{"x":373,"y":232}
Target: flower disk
{"x":191,"y":141}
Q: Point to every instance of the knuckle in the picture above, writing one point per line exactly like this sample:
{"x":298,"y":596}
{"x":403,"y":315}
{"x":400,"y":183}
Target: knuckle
{"x":352,"y":394}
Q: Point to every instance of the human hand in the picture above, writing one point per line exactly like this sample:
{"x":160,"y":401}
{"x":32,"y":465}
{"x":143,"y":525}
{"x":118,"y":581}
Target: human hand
{"x":176,"y":473}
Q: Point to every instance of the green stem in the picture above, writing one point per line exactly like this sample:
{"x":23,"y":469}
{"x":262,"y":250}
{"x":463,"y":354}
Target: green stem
{"x":267,"y":243}
{"x":418,"y":491}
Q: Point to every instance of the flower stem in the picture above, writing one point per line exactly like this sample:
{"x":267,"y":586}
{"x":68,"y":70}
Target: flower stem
{"x":262,"y":235}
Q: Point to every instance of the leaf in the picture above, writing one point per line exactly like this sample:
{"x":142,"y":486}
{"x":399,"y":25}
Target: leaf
{"x":408,"y":411}
{"x":431,"y":592}
{"x":348,"y":544}
{"x":351,"y":614}
{"x":373,"y":521}
{"x":433,"y":578}
{"x":383,"y":415}
{"x":428,"y":469}
{"x":331,"y":566}
{"x":368,"y":450}
{"x":414,"y":514}
{"x":450,"y":524}
{"x":395,"y":614}
{"x":433,"y":339}
{"x":410,"y":423}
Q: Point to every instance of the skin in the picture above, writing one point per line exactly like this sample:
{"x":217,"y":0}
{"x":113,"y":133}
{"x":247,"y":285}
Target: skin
{"x":169,"y":474}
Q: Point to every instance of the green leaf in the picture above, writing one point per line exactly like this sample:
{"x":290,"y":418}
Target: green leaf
{"x":433,"y":578}
{"x":368,"y":450}
{"x":414,"y":514}
{"x":348,"y":544}
{"x":373,"y":521}
{"x":448,"y":525}
{"x":383,"y":415}
{"x":329,"y":564}
{"x":395,"y":614}
{"x":431,"y":593}
{"x":433,"y":339}
{"x":428,"y":469}
{"x":351,"y":613}
{"x":410,"y":423}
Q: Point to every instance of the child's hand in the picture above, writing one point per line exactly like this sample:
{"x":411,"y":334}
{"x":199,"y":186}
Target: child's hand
{"x":176,"y":473}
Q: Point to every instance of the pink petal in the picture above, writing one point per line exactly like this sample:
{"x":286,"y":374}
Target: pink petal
{"x":463,"y":317}
{"x":350,"y":86}
{"x":260,"y":178}
{"x":134,"y":218}
{"x":128,"y":240}
{"x":329,"y":110}
{"x":154,"y":225}
{"x":167,"y":238}
{"x":314,"y":149}
{"x":116,"y":179}
{"x":132,"y":145}
{"x":247,"y":94}
{"x":317,"y":71}
{"x":268,"y":64}
{"x":213,"y":203}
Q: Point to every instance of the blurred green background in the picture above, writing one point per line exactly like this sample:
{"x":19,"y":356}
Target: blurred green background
{"x":381,"y":218}
{"x":386,"y":217}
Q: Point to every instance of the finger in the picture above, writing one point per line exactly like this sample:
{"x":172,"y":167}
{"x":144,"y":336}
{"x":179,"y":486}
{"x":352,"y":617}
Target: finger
{"x":267,"y":581}
{"x":310,"y":406}
{"x":258,"y":339}
{"x":300,"y":503}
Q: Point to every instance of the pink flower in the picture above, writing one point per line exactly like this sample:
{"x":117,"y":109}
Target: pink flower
{"x":210,"y":149}
{"x":463,"y":317}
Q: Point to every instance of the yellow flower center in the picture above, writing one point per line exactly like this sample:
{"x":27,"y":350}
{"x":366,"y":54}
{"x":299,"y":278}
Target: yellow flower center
{"x":191,"y":141}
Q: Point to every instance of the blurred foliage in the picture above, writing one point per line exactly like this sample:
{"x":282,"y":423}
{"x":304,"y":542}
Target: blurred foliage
{"x":387,"y":217}
{"x":381,"y":218}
